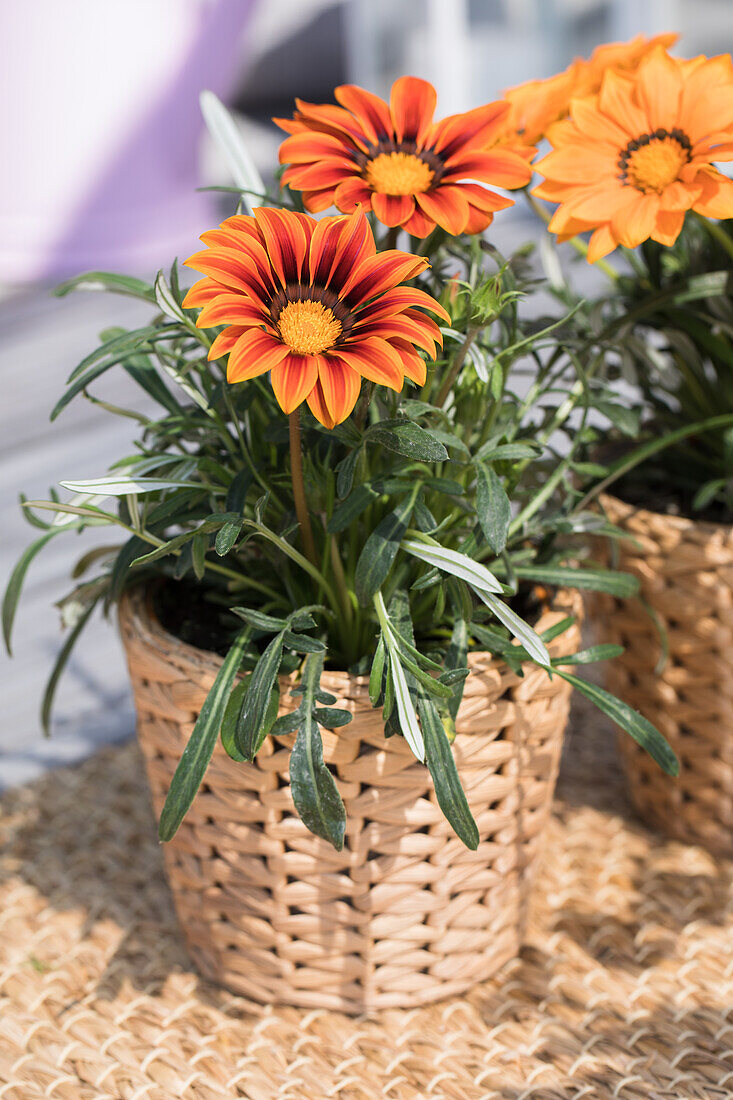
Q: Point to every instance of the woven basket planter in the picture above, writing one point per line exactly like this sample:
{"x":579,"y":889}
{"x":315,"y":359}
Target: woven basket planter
{"x":405,"y":914}
{"x":686,"y":573}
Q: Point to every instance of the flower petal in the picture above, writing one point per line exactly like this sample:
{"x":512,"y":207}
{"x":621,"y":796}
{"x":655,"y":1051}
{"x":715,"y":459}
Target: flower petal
{"x":371,"y":111}
{"x":338,"y":246}
{"x":286,"y":242}
{"x":317,"y":405}
{"x":716,"y":200}
{"x":340,"y":385}
{"x":473,"y":129}
{"x":254,"y":353}
{"x":447,"y":207}
{"x":231,"y":309}
{"x":659,"y":85}
{"x":392,"y":210}
{"x":201,"y":293}
{"x":412,"y":105}
{"x":351,"y":192}
{"x":311,"y":146}
{"x":375,"y":360}
{"x":293,"y":379}
{"x":419,"y":224}
{"x":668,"y":227}
{"x":499,"y":166}
{"x":413,"y":365}
{"x":379,"y":273}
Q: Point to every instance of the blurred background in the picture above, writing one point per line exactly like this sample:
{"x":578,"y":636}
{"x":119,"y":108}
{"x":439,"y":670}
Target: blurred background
{"x":104,"y":152}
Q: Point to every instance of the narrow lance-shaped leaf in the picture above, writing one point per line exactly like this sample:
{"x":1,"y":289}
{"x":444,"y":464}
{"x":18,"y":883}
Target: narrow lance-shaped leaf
{"x":15,"y":584}
{"x":380,"y":549}
{"x":492,"y":507}
{"x":448,"y":789}
{"x":633,"y":723}
{"x":409,"y":439}
{"x":251,"y":730}
{"x":314,"y":789}
{"x":522,"y":631}
{"x":197,"y":753}
{"x":454,"y":562}
{"x":59,"y":666}
{"x":223,"y":130}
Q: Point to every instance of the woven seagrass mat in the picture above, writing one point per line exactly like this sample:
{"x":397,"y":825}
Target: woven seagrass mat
{"x":625,"y":988}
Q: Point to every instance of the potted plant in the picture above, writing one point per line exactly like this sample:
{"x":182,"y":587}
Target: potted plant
{"x":653,"y":138}
{"x":348,"y":592}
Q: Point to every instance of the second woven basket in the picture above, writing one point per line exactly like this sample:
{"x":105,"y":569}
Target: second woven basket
{"x":405,"y":914}
{"x":678,"y":671}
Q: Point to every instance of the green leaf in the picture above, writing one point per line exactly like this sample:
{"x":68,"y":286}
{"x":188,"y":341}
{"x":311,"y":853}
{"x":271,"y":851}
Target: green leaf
{"x":439,"y":757}
{"x":227,"y":536}
{"x":557,"y":629}
{"x":231,"y":717}
{"x":456,"y":657}
{"x":59,"y":665}
{"x":522,"y":631}
{"x":237,"y":491}
{"x":633,"y":723}
{"x":606,"y":652}
{"x":332,"y":717}
{"x":250,"y":724}
{"x":380,"y":549}
{"x":268,"y":623}
{"x":123,"y":484}
{"x":492,"y":507}
{"x":377,"y":673}
{"x":345,"y":473}
{"x":618,"y":584}
{"x":106,"y":280}
{"x":198,"y":554}
{"x":404,"y":437}
{"x":15,"y":584}
{"x":346,"y":512}
{"x":454,"y":562}
{"x":314,"y":789}
{"x":197,"y":753}
{"x":166,"y":301}
{"x":225,"y":133}
{"x":301,"y":643}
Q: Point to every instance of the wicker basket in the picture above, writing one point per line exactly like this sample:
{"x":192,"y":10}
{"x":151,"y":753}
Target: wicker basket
{"x":405,"y":914}
{"x":686,"y":573}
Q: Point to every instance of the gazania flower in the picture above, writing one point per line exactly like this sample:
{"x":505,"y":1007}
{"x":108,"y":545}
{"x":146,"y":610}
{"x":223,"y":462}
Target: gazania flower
{"x":412,"y":172}
{"x":315,"y":305}
{"x":538,"y":103}
{"x":633,"y":159}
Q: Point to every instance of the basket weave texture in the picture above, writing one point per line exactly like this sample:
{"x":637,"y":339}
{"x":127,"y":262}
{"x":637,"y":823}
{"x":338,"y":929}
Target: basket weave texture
{"x":623,"y":990}
{"x":686,"y":573}
{"x":405,"y":914}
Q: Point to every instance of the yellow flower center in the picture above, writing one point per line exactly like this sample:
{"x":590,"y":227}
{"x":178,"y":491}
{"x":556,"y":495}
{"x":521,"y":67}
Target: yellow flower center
{"x":308,"y":327}
{"x":399,"y":174}
{"x":653,"y":161}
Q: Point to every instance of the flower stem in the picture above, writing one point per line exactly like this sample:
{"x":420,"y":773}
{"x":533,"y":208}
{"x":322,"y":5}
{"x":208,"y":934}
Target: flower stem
{"x":456,"y":365}
{"x":717,"y":232}
{"x":575,"y":242}
{"x":390,"y":238}
{"x":301,"y":504}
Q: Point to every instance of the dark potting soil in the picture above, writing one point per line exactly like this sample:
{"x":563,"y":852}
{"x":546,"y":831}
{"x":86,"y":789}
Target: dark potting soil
{"x":187,"y":611}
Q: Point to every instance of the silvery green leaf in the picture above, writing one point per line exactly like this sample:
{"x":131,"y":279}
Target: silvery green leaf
{"x":225,"y":133}
{"x":452,"y":561}
{"x":480,"y":362}
{"x":123,"y":485}
{"x":165,"y":299}
{"x":405,"y":710}
{"x":79,"y":500}
{"x":522,"y":631}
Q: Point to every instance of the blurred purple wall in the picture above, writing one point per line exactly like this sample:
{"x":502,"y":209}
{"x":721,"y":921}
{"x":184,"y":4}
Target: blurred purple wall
{"x":101,"y":129}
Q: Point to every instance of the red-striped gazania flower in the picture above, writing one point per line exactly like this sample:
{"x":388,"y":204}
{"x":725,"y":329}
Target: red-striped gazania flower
{"x":313,"y":303}
{"x":392,"y":158}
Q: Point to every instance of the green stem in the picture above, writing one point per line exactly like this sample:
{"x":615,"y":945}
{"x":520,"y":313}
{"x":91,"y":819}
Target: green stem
{"x":716,"y":230}
{"x":575,"y":242}
{"x":455,"y":367}
{"x":299,"y":497}
{"x":390,"y":238}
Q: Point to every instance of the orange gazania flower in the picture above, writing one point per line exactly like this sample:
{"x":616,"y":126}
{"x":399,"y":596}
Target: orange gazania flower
{"x":536,"y":104}
{"x":633,"y":159}
{"x":313,"y":303}
{"x":396,"y":161}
